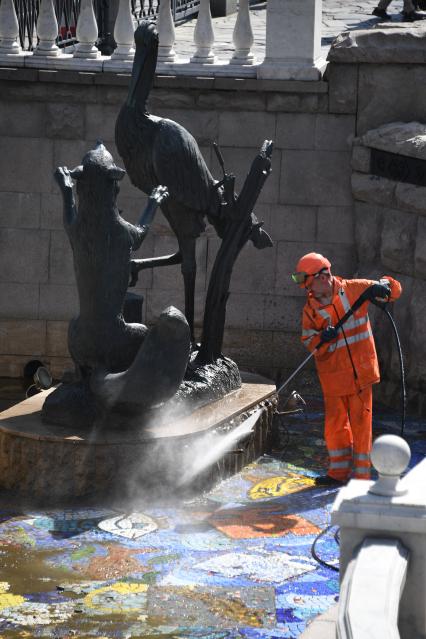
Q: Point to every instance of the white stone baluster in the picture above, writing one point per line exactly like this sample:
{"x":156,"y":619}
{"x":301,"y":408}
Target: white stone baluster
{"x":293,"y":40}
{"x":204,"y":35}
{"x":87,"y":32}
{"x":9,"y":29}
{"x":47,"y":30}
{"x":243,"y":36}
{"x":166,"y":32}
{"x":124,"y":33}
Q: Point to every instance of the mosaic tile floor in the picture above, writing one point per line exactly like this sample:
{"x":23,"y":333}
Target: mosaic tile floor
{"x":235,"y":562}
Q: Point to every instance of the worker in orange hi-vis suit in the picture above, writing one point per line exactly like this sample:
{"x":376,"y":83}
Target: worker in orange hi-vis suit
{"x":347,"y":363}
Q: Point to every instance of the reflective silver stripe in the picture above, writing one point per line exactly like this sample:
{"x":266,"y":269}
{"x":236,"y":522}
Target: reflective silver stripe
{"x":362,"y":457}
{"x":354,"y":338}
{"x":352,"y":322}
{"x":344,"y":300}
{"x":324,"y":314}
{"x":338,"y":452}
{"x":309,"y":332}
{"x":340,"y":464}
{"x":362,"y":471}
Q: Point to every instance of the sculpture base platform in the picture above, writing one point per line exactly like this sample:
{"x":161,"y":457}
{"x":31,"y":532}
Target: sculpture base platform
{"x":51,"y":464}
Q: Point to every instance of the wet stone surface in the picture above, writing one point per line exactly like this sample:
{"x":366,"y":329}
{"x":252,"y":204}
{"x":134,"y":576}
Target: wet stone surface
{"x":235,"y":562}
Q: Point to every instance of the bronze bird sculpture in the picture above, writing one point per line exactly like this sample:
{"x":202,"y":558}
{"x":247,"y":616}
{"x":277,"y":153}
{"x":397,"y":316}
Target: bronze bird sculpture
{"x":157,"y":151}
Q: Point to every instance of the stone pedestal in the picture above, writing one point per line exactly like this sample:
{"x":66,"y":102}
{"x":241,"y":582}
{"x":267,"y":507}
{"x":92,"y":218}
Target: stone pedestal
{"x":367,"y":509}
{"x":293,"y":40}
{"x":56,"y":463}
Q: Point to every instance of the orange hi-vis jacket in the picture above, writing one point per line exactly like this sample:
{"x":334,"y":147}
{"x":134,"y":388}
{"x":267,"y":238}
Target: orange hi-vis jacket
{"x":348,"y":363}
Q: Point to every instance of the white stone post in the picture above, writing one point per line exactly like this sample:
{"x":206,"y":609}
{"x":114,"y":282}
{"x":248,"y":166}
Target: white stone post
{"x":9,"y":29}
{"x":293,"y":40}
{"x":204,"y":35}
{"x":124,"y":33}
{"x":47,"y":30}
{"x":166,"y":32}
{"x":243,"y":36}
{"x":87,"y":32}
{"x":391,"y":508}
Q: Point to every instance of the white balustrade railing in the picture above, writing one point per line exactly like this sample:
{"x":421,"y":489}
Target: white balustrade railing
{"x":204,"y":35}
{"x":47,"y":30}
{"x":207,"y":57}
{"x":166,"y":33}
{"x":382,"y":524}
{"x":243,"y":36}
{"x":123,"y":33}
{"x":87,"y":32}
{"x":9,"y":29}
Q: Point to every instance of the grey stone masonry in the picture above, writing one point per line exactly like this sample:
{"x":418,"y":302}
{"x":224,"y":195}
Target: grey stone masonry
{"x":305,"y":204}
{"x":390,"y":235}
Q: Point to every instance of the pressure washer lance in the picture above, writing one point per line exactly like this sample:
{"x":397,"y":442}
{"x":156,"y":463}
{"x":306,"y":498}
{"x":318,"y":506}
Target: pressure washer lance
{"x":361,"y":299}
{"x":382,"y":305}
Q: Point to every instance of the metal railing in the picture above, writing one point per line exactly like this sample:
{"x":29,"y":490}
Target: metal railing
{"x":67,"y":12}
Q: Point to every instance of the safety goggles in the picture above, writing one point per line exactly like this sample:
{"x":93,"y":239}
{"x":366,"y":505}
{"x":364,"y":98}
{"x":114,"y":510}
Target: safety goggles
{"x":301,"y":276}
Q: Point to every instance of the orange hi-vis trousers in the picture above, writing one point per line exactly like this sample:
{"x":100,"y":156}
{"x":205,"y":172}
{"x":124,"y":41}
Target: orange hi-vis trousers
{"x":348,"y":434}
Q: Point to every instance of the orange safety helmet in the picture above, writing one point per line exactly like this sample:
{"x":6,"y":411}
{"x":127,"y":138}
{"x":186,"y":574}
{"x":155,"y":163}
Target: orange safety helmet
{"x":308,"y":265}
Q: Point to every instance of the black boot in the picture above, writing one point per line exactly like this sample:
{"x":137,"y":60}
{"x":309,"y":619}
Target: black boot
{"x":411,"y":16}
{"x":326,"y":480}
{"x":381,"y":13}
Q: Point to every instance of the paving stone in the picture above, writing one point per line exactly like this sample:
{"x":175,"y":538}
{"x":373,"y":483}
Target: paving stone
{"x":22,"y":337}
{"x":20,"y":301}
{"x":246,"y":129}
{"x":51,"y":211}
{"x":295,"y":131}
{"x":29,"y":168}
{"x":380,"y":104}
{"x":334,"y":132}
{"x":326,"y":182}
{"x":398,"y":241}
{"x":56,"y":338}
{"x":61,"y":263}
{"x":245,"y":311}
{"x":335,"y":224}
{"x":58,"y":302}
{"x":65,"y":121}
{"x":420,"y":252}
{"x":368,"y":224}
{"x":375,"y":189}
{"x":20,"y":210}
{"x":361,"y":159}
{"x":292,"y":222}
{"x":232,"y":100}
{"x":22,"y":119}
{"x":23,"y":255}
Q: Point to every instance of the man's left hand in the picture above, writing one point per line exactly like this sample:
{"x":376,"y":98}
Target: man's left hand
{"x":328,"y":334}
{"x":379,"y":291}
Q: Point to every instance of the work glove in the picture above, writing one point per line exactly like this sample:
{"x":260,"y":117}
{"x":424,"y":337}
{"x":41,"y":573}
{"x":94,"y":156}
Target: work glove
{"x":328,"y":334}
{"x":379,"y":289}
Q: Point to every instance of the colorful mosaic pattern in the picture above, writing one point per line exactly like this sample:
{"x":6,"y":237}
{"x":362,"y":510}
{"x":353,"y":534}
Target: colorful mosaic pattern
{"x":235,"y":562}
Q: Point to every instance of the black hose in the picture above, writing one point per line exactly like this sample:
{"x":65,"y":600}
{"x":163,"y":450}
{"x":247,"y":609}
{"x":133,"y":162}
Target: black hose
{"x":401,"y":369}
{"x":314,"y":553}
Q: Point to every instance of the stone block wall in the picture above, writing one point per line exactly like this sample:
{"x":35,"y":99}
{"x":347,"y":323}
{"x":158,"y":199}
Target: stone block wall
{"x":390,"y":232}
{"x":51,"y":118}
{"x":389,"y":67}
